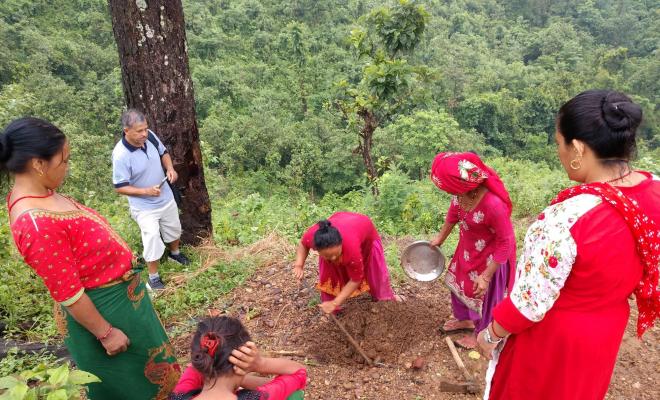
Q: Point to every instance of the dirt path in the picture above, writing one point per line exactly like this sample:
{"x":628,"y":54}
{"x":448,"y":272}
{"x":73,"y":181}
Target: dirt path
{"x":283,"y":316}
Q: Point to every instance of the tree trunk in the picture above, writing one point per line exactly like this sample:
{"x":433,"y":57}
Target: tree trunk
{"x":151,"y":41}
{"x":366,"y":136}
{"x":303,"y":96}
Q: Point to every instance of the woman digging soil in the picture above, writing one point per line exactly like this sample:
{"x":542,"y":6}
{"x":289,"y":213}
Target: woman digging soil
{"x":351,"y":260}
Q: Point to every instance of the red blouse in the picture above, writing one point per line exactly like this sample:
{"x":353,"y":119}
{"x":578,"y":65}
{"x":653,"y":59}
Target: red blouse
{"x":279,"y":388}
{"x":357,"y":233}
{"x":71,"y":250}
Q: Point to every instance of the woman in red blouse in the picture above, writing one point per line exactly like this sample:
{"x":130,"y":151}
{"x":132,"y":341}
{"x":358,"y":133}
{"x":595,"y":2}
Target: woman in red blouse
{"x":557,"y":334}
{"x":109,"y":325}
{"x":351,"y":259}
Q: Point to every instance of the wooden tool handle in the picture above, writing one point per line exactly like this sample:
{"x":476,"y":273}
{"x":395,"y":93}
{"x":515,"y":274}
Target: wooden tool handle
{"x":351,"y":340}
{"x":457,"y":359}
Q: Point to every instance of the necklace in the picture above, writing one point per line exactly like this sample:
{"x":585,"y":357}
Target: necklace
{"x":465,"y":209}
{"x":13,"y":203}
{"x":620,"y":177}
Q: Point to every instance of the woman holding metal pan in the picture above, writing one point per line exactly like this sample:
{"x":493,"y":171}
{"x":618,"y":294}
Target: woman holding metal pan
{"x":480,"y":269}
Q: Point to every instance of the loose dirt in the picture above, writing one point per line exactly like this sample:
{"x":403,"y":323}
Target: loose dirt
{"x":284,"y":320}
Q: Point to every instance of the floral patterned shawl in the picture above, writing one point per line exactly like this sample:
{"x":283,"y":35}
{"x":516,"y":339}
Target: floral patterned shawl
{"x":647,"y":236}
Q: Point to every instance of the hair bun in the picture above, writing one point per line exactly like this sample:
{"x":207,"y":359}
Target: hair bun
{"x":324,"y":225}
{"x":621,"y":115}
{"x":5,"y":148}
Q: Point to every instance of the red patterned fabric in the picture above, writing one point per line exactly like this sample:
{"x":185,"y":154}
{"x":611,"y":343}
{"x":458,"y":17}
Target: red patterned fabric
{"x":72,"y":250}
{"x":458,"y":173}
{"x":485,"y":235}
{"x":647,"y":237}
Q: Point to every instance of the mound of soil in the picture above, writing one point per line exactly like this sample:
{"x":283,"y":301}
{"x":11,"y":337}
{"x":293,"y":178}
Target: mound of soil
{"x":284,"y":320}
{"x":384,"y":330}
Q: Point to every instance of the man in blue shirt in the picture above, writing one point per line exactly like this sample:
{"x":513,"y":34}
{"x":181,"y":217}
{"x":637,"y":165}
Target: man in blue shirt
{"x":138,"y":161}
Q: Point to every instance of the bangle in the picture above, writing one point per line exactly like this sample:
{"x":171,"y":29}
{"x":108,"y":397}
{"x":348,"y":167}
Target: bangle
{"x":495,"y":333}
{"x":105,"y":336}
{"x":489,"y":339}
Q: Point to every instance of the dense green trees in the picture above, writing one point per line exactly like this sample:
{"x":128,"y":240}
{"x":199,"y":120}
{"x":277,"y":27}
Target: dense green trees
{"x":266,"y":76}
{"x":485,"y":75}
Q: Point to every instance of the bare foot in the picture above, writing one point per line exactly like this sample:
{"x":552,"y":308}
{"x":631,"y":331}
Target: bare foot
{"x":399,"y":298}
{"x":467,"y":342}
{"x":456,"y":325}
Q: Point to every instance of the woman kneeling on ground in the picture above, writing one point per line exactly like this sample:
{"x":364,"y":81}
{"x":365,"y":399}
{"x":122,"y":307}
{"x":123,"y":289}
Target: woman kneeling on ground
{"x":351,"y":260}
{"x":223,"y":358}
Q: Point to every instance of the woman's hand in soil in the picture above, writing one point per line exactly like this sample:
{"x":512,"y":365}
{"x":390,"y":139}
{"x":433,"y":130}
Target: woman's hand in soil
{"x":246,"y":359}
{"x":116,"y":342}
{"x":298,"y":271}
{"x":328,"y":306}
{"x":485,"y":348}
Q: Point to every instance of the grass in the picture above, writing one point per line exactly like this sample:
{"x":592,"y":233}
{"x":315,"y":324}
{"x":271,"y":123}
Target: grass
{"x":249,"y":230}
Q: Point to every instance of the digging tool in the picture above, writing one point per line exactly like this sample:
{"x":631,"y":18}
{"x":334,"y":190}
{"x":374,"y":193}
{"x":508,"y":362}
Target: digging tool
{"x":351,"y":340}
{"x":461,"y":387}
{"x":355,"y":344}
{"x":469,"y":386}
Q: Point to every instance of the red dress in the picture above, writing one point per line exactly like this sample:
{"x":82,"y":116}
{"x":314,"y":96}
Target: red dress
{"x":71,"y":250}
{"x":358,"y":235}
{"x":485,"y":235}
{"x":568,"y":309}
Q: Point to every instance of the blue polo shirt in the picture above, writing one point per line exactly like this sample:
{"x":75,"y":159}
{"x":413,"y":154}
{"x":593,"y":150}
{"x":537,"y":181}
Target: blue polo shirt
{"x":141,"y":167}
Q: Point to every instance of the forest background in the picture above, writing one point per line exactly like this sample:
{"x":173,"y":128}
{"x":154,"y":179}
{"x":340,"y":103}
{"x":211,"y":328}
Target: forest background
{"x":280,"y":151}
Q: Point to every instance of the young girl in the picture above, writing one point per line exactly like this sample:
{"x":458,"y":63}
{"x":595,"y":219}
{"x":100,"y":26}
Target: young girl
{"x":223,"y":357}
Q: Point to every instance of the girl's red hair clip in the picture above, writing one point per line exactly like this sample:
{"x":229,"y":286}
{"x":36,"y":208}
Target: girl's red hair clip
{"x":210,"y":343}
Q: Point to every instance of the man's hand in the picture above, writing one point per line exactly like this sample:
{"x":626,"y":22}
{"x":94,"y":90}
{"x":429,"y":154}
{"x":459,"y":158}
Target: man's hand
{"x":172,"y":176}
{"x":153,"y":191}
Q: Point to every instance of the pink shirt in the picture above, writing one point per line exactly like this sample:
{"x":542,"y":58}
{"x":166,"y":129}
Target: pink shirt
{"x":357,"y":233}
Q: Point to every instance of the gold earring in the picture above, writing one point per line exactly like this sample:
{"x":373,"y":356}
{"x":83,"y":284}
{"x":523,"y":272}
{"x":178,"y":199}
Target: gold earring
{"x":578,"y":161}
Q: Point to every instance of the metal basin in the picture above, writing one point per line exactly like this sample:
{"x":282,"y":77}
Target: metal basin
{"x":422,"y":262}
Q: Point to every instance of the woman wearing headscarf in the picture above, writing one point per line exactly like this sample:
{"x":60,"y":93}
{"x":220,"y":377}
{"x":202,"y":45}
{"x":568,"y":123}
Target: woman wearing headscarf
{"x":560,"y":329}
{"x":479,"y":270}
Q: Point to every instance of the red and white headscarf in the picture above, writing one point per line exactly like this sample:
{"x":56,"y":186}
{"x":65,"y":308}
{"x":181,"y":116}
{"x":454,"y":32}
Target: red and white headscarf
{"x":458,"y":173}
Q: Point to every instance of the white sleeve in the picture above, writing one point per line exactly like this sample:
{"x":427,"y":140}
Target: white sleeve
{"x":548,"y":256}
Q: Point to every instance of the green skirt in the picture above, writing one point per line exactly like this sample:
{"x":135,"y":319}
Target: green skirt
{"x":148,"y":369}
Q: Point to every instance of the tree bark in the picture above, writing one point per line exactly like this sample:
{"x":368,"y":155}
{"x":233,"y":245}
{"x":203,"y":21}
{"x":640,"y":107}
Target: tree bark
{"x":151,"y":42}
{"x":366,"y":137}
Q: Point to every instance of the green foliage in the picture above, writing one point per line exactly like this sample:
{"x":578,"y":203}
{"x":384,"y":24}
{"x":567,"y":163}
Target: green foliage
{"x":15,"y":362}
{"x":479,"y":75}
{"x":531,"y":186}
{"x":411,"y":142}
{"x":42,"y":382}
